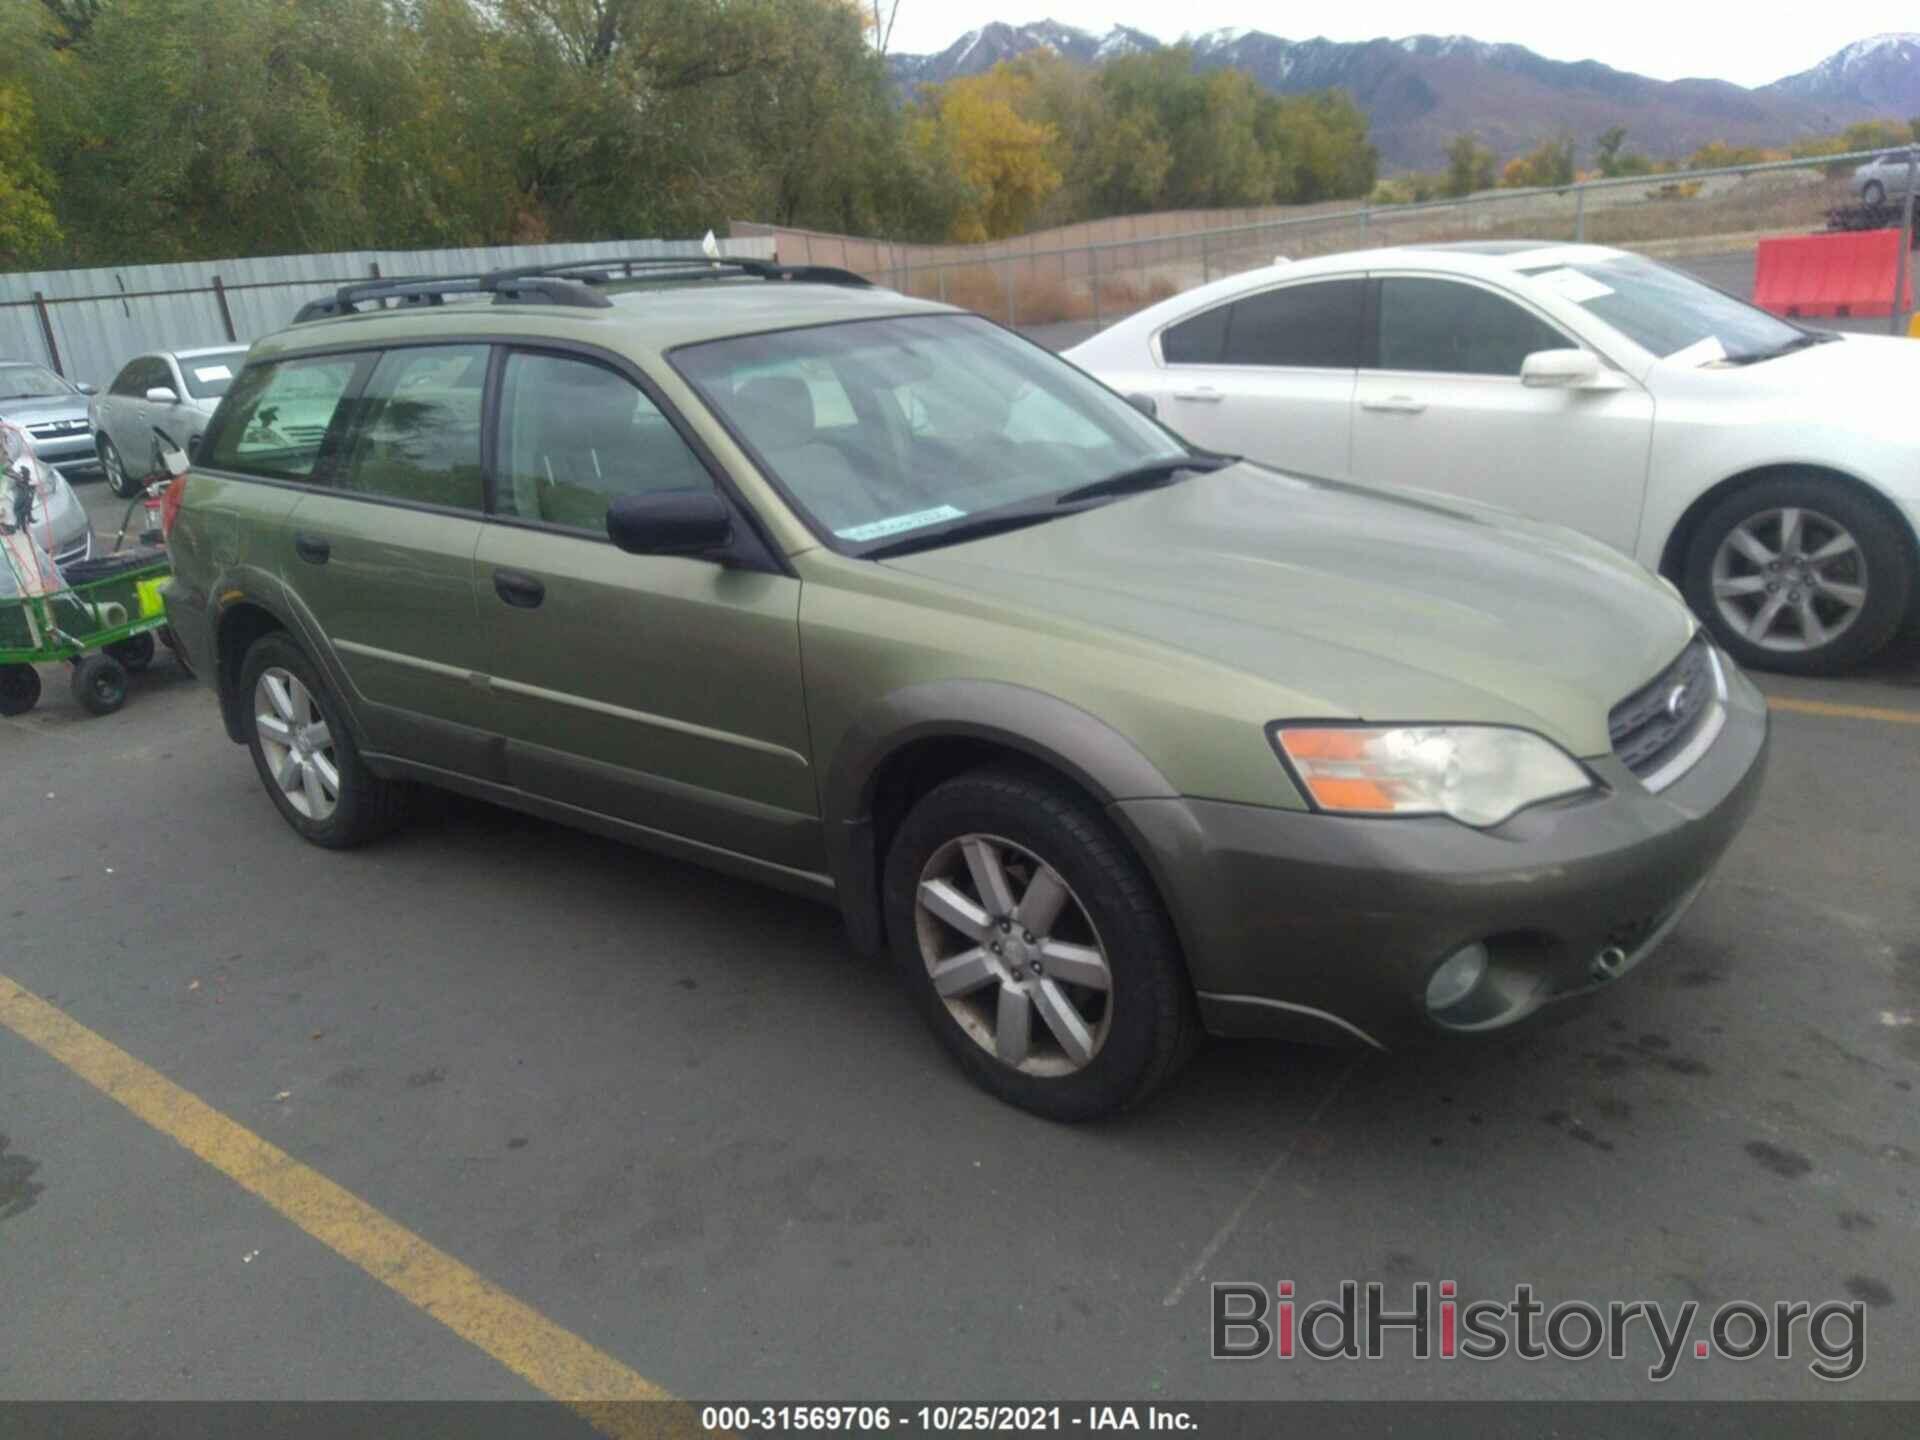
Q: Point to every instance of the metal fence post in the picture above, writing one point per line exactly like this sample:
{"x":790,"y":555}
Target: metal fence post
{"x":1013,"y":311}
{"x":46,"y":332}
{"x":1093,"y":280}
{"x":1580,"y":215}
{"x":1206,"y":263}
{"x":1903,"y":265}
{"x":226,"y":313}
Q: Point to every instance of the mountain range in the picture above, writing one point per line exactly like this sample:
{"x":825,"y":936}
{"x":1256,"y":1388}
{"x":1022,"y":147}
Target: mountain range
{"x":1421,"y":91}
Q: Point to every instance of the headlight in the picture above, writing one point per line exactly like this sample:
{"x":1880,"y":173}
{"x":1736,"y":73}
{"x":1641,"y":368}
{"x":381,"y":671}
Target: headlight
{"x":1478,"y":774}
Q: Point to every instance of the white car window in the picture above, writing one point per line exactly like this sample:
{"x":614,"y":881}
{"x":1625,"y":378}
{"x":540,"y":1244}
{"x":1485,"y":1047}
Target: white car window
{"x":1445,"y":327}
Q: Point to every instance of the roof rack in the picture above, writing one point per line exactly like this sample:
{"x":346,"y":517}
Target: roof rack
{"x":566,"y":282}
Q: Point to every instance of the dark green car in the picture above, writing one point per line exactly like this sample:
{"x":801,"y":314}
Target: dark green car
{"x":1105,"y":740}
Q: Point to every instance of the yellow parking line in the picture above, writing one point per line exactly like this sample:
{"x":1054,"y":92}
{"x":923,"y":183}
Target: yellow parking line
{"x":553,"y":1360}
{"x":1844,"y":712}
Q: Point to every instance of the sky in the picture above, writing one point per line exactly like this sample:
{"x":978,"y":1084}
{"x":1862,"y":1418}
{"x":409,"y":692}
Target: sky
{"x":1748,"y":44}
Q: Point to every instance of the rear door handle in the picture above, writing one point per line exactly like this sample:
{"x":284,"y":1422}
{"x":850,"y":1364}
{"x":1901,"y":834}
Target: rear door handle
{"x":518,"y":589}
{"x":1200,"y":397}
{"x":1395,"y":405}
{"x":314,"y":549}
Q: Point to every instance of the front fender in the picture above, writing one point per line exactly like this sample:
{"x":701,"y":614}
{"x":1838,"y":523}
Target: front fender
{"x":1051,"y":732}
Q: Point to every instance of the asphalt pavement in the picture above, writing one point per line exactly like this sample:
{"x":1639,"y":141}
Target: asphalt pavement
{"x":666,"y":1112}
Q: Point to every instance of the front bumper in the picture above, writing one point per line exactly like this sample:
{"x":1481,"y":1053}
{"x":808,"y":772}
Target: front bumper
{"x":75,"y":455}
{"x":1313,"y":927}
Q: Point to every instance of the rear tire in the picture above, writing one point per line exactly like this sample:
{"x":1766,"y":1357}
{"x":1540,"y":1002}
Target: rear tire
{"x":19,"y":689}
{"x":1083,"y":985}
{"x":118,"y":480}
{"x":1873,"y":193}
{"x":1820,"y":616}
{"x":305,"y":754}
{"x":100,"y":683}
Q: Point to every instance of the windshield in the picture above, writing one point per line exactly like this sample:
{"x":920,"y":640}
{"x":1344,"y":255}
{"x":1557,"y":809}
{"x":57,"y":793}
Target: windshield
{"x":208,"y":376}
{"x":1664,"y":312}
{"x":26,"y":382}
{"x":880,"y":428}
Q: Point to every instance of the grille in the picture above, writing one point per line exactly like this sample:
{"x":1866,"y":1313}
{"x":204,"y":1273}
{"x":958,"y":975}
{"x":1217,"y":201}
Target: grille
{"x":49,"y":428}
{"x":1659,"y":718}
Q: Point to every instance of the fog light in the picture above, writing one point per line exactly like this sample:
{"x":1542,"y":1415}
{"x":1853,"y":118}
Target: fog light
{"x":1453,"y":980}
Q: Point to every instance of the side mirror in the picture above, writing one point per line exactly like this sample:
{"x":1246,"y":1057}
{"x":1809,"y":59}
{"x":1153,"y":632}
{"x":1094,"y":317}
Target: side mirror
{"x":674,"y":522}
{"x":1561,"y":370}
{"x":1144,"y":403}
{"x":162,"y":395}
{"x":87,"y":387}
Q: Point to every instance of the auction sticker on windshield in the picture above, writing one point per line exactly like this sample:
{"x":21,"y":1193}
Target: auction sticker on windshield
{"x":894,"y":524}
{"x":1574,"y":286}
{"x":207,"y":374}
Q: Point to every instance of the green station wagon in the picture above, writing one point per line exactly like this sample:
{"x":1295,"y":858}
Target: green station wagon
{"x":1106,"y":740}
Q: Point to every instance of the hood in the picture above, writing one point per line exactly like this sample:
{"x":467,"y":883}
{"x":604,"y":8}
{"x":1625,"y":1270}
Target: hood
{"x":39,"y":409}
{"x":1850,"y":366}
{"x":1349,"y":602}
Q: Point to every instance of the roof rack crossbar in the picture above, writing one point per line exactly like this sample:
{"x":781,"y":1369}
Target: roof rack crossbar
{"x":689,"y":267}
{"x":410,"y":290}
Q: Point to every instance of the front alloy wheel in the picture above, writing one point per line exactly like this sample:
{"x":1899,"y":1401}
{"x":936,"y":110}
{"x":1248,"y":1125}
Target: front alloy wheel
{"x":1012,"y":954}
{"x":1803,"y":573}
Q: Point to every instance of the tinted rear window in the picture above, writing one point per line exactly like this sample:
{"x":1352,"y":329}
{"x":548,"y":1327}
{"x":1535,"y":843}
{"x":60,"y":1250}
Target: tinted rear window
{"x":1309,"y":326}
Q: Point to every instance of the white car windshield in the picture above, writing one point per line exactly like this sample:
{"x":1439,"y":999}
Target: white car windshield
{"x":1665,"y":312}
{"x":28,"y":382}
{"x":877,"y":429}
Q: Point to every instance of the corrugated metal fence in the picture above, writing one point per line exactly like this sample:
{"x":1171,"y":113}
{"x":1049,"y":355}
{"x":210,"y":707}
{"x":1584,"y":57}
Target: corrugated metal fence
{"x":87,"y":323}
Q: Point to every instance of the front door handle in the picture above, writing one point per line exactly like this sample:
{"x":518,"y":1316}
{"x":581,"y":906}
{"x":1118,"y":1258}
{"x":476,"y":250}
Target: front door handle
{"x":1395,"y":405}
{"x":518,"y":589}
{"x":1200,"y":397}
{"x":314,"y":549}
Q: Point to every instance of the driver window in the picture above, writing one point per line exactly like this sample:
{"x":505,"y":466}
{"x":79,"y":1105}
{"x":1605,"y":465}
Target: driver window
{"x":1445,"y":327}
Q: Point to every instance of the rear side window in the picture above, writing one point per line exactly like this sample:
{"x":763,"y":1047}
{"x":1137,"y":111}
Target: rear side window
{"x":275,"y":417}
{"x":574,"y":435}
{"x":418,"y":431}
{"x":1314,"y":326}
{"x":1443,"y":326}
{"x":1197,"y":341}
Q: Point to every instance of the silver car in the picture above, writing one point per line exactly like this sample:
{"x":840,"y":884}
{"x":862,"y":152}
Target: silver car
{"x":1882,"y":176}
{"x":53,"y":412}
{"x":172,"y":391}
{"x":60,"y":524}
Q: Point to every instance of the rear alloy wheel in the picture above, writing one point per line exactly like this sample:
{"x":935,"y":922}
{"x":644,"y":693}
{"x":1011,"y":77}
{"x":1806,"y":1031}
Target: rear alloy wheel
{"x":1798,"y":575}
{"x":1874,"y":193}
{"x":1035,"y":945}
{"x":118,"y":481}
{"x":305,"y":755}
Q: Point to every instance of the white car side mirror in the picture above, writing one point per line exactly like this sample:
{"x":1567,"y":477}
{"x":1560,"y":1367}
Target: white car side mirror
{"x":1561,"y":370}
{"x":162,"y":395}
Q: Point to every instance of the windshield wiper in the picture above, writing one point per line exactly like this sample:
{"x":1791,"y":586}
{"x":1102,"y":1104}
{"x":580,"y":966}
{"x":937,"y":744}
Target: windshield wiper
{"x":973,"y":528}
{"x":1144,"y":477}
{"x":1799,"y":342}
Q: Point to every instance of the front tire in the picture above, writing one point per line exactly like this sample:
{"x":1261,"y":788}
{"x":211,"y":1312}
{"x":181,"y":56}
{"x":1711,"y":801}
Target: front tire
{"x":305,"y":754}
{"x":1803,"y":575}
{"x":100,"y":683}
{"x":118,"y":480}
{"x":1034,"y":944}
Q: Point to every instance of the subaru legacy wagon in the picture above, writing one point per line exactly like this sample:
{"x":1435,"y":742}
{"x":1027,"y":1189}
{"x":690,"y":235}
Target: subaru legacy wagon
{"x":1106,"y":740}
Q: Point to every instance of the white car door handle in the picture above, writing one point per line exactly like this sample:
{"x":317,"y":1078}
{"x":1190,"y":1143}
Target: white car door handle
{"x":1395,"y":405}
{"x":1203,"y":397}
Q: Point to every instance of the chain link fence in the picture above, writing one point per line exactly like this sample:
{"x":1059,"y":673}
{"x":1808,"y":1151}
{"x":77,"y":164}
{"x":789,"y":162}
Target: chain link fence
{"x":1690,"y":213}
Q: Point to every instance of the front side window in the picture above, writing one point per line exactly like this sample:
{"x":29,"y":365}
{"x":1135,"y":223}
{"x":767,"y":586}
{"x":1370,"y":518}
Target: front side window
{"x":879,"y":428}
{"x":574,"y":435}
{"x":130,"y":382}
{"x":1445,"y":327}
{"x":1312,"y":326}
{"x":418,"y":436}
{"x":275,"y":418}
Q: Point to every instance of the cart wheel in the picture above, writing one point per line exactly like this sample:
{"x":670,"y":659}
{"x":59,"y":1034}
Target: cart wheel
{"x":135,"y":652}
{"x":172,"y":642}
{"x":19,"y":689}
{"x":100,"y":684}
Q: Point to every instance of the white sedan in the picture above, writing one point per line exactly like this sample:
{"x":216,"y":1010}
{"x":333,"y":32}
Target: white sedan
{"x":1769,"y":470}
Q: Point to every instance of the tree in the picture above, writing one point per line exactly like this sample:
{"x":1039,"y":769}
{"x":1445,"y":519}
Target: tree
{"x":1004,"y":159}
{"x":1549,"y":164}
{"x":1469,"y":165}
{"x":27,"y":224}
